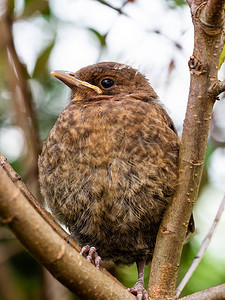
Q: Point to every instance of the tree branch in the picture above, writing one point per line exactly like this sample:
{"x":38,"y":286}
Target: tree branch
{"x":214,"y":293}
{"x":202,"y":250}
{"x":203,"y":66}
{"x":213,"y":12}
{"x":49,"y":249}
{"x":218,"y":88}
{"x":21,"y":97}
{"x":189,"y":2}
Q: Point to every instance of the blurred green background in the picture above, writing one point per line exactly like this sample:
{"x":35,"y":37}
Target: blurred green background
{"x":154,"y":36}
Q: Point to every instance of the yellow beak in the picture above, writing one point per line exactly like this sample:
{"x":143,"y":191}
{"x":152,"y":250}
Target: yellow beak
{"x":70,"y":79}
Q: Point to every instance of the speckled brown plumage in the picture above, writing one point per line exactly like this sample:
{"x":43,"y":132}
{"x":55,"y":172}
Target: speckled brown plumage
{"x":109,"y":166}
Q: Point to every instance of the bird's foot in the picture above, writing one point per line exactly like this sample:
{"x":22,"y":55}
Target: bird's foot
{"x":92,"y":255}
{"x":139,"y":290}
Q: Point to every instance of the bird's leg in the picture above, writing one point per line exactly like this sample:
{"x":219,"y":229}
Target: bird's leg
{"x":92,"y":255}
{"x":139,"y":288}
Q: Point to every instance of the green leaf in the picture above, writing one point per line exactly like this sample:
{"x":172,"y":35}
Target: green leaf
{"x":41,"y":67}
{"x":222,"y":57}
{"x":11,"y":6}
{"x":100,"y":37}
{"x":175,"y":3}
{"x":35,"y":7}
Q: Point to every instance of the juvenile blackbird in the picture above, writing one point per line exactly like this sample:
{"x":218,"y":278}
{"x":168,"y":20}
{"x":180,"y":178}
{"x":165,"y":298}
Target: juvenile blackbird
{"x":109,"y":166}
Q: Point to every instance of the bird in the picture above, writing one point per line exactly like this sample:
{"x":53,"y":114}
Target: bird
{"x":109,"y":167}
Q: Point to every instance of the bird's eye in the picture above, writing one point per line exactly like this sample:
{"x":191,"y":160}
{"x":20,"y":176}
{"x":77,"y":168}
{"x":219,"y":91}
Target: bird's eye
{"x":107,"y":83}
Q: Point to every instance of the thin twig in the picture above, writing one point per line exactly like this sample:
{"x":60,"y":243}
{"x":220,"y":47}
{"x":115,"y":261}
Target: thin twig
{"x":119,"y":10}
{"x":213,"y":293}
{"x":201,"y":251}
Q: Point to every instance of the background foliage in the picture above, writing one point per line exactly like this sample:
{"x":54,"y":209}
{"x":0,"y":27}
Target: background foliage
{"x":49,"y":34}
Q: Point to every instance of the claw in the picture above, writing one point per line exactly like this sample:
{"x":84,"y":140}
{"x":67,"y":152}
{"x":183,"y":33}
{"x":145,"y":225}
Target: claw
{"x":97,"y":261}
{"x":92,"y":255}
{"x":139,"y":290}
{"x":85,"y":250}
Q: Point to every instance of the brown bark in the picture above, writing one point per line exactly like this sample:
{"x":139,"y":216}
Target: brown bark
{"x":214,"y":293}
{"x":204,"y":88}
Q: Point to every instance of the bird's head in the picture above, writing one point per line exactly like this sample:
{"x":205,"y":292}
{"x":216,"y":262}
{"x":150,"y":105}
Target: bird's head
{"x":106,"y":79}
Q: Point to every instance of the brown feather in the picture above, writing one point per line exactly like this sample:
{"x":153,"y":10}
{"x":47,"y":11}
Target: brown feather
{"x":110,"y":164}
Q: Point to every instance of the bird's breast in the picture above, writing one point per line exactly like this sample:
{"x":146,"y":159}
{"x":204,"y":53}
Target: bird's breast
{"x":109,"y":165}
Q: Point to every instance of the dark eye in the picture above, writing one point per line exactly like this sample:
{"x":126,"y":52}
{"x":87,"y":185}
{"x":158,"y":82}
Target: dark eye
{"x":107,"y":83}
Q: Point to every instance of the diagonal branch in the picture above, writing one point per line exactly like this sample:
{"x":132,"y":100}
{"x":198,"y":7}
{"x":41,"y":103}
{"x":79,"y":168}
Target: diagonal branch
{"x":49,"y":249}
{"x":214,"y":293}
{"x":201,"y":251}
{"x":119,"y":10}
